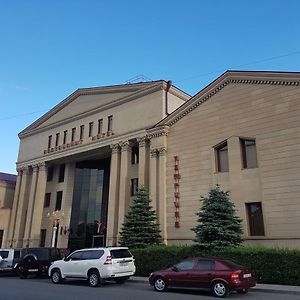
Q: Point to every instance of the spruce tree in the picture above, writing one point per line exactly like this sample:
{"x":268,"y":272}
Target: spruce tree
{"x":218,"y":226}
{"x":140,"y":228}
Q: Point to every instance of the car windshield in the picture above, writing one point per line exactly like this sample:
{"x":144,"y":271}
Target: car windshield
{"x":120,"y":253}
{"x":4,"y":254}
{"x":231,"y":264}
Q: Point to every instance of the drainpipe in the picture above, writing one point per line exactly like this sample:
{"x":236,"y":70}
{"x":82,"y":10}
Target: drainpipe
{"x":169,"y":84}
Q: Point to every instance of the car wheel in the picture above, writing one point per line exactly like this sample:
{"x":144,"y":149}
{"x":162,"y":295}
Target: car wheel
{"x":160,"y":284}
{"x":243,"y":291}
{"x":220,"y":289}
{"x":94,"y":279}
{"x":56,"y":276}
{"x":120,"y":280}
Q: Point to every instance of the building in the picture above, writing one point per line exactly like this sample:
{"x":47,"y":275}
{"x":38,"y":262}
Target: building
{"x":80,"y":163}
{"x":7,"y":189}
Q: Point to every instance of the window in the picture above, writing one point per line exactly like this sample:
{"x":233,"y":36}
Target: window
{"x":49,"y":141}
{"x":47,"y":199}
{"x":249,"y":159}
{"x":120,"y":253}
{"x":3,"y":253}
{"x":91,"y":125}
{"x":57,"y":140}
{"x":100,"y":126}
{"x":222,"y":157}
{"x":65,"y":136}
{"x":134,"y":186}
{"x":255,"y":218}
{"x":17,"y":254}
{"x":73,"y":134}
{"x":185,"y":265}
{"x":81,"y":132}
{"x":1,"y":239}
{"x":110,"y":123}
{"x":92,"y":254}
{"x":135,"y":155}
{"x":61,"y":175}
{"x":43,"y":237}
{"x":58,"y":200}
{"x":205,"y":264}
{"x":75,"y":256}
{"x":50,"y":171}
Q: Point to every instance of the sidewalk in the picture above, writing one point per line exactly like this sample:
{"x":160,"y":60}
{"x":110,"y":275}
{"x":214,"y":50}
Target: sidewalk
{"x":265,"y":288}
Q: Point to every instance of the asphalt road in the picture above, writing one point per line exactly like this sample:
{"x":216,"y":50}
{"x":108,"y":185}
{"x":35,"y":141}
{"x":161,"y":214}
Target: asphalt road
{"x":13,"y":288}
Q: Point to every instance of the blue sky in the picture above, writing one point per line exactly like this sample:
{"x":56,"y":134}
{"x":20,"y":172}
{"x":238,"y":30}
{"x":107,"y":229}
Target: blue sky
{"x":48,"y":49}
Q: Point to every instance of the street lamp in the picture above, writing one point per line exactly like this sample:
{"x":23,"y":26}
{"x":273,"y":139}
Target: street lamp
{"x":55,"y":216}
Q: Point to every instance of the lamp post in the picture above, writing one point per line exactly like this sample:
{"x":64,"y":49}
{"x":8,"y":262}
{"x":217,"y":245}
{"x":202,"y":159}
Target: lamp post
{"x":55,"y":216}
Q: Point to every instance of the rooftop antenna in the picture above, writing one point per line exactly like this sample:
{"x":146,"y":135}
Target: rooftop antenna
{"x":138,"y":78}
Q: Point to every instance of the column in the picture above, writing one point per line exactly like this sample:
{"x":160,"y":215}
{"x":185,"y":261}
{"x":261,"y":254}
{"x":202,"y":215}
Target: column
{"x":153,"y":178}
{"x":124,"y":183}
{"x":162,"y":190}
{"x":113,"y":199}
{"x":143,"y":162}
{"x":38,"y":206}
{"x":12,"y":222}
{"x":22,"y":208}
{"x":30,"y":206}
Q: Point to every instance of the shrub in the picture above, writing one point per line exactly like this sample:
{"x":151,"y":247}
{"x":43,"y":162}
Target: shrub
{"x":272,"y":266}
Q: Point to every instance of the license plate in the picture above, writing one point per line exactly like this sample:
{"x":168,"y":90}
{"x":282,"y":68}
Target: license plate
{"x":247,"y":275}
{"x":32,"y":270}
{"x":123,"y":264}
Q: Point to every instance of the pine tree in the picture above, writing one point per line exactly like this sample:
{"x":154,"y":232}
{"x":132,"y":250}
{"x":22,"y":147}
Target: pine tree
{"x":140,"y":228}
{"x":218,"y":226}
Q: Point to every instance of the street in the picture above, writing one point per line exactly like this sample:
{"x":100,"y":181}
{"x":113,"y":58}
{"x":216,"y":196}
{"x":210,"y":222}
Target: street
{"x":13,"y":288}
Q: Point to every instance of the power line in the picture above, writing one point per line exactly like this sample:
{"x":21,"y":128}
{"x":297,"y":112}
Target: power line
{"x":238,"y":66}
{"x":23,"y":115}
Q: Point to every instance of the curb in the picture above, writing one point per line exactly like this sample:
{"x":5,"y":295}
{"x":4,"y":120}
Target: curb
{"x":276,"y":290}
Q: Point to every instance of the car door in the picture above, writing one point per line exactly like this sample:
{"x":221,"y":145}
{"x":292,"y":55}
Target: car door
{"x":203,"y":273}
{"x":90,"y":259}
{"x":6,"y":259}
{"x":71,"y":265}
{"x":179,"y":276}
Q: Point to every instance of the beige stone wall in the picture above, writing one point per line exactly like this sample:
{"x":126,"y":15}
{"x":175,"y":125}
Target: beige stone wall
{"x":271,"y":115}
{"x":6,"y":201}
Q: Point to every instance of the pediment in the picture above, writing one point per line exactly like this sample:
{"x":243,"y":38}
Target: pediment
{"x":86,"y":101}
{"x":227,"y":78}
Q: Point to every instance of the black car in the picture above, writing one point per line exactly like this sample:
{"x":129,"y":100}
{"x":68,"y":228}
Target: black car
{"x":36,"y":261}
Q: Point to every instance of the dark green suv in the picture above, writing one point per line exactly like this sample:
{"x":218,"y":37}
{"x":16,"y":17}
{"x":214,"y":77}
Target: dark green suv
{"x":36,"y":261}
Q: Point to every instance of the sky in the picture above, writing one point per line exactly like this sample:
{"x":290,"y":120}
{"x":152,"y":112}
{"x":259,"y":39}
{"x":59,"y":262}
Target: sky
{"x":48,"y":49}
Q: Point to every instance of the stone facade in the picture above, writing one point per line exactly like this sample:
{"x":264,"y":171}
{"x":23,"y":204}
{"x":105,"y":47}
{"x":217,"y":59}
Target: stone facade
{"x":178,"y":139}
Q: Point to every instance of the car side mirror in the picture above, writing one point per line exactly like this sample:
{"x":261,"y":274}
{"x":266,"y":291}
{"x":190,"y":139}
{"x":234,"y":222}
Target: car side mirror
{"x":174,"y":268}
{"x":66,"y":259}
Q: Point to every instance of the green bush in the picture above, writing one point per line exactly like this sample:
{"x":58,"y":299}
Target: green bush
{"x":273,"y":266}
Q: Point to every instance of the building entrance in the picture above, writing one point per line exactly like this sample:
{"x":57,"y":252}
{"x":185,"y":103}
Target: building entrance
{"x":89,"y":206}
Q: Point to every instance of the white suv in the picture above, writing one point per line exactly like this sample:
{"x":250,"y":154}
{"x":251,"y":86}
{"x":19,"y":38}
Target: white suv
{"x":95,"y":265}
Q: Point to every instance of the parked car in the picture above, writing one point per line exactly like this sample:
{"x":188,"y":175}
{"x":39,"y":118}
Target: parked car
{"x":36,"y":261}
{"x":9,"y":259}
{"x":95,"y":265}
{"x":218,"y":275}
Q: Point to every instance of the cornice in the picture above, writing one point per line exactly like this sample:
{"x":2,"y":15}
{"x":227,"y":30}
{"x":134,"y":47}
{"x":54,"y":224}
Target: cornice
{"x":138,"y":93}
{"x":158,"y":131}
{"x":230,"y":77}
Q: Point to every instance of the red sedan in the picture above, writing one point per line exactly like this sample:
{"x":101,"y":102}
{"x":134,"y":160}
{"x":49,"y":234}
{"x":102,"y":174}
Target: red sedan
{"x":218,"y":275}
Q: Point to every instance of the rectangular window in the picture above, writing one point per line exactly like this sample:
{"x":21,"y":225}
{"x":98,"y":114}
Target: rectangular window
{"x":249,"y":158}
{"x":43,"y":237}
{"x":56,"y":139}
{"x":135,"y":155}
{"x":110,"y":123}
{"x":47,"y":199}
{"x":73,"y":134}
{"x":65,"y":136}
{"x":1,"y":237}
{"x":222,"y":157}
{"x":100,"y":126}
{"x":61,"y":175}
{"x":49,"y":141}
{"x":91,"y":125}
{"x":50,"y":171}
{"x":255,"y":218}
{"x":81,"y":132}
{"x":58,"y":200}
{"x":134,"y":186}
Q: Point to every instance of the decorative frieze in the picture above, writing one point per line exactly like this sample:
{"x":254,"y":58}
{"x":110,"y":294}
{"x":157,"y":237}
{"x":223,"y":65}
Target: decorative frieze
{"x":176,"y":192}
{"x":158,"y":131}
